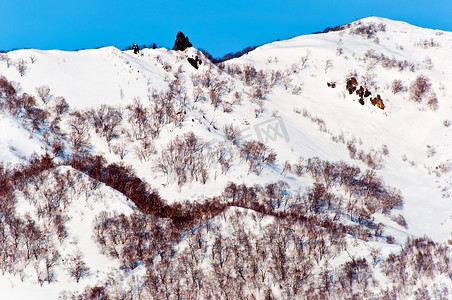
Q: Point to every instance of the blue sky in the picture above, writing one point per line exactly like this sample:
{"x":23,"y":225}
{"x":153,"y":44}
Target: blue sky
{"x":217,"y":26}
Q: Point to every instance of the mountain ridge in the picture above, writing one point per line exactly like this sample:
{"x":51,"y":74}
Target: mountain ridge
{"x":269,"y":123}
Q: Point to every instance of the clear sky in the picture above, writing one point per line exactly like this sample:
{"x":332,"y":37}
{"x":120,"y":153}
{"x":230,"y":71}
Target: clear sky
{"x":218,"y":26}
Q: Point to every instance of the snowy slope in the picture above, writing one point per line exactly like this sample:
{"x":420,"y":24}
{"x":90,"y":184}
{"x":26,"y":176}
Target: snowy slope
{"x":301,"y":117}
{"x":406,"y":128}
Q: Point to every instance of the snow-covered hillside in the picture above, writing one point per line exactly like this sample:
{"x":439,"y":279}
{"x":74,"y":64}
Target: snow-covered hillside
{"x":349,"y":129}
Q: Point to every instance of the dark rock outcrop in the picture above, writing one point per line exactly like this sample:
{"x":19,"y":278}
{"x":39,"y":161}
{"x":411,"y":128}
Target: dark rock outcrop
{"x":377,"y":101}
{"x":181,"y":42}
{"x":331,"y":84}
{"x":352,"y":83}
{"x":135,"y":48}
{"x":194,"y":61}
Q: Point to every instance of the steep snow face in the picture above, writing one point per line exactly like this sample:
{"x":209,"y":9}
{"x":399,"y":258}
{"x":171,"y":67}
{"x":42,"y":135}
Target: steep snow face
{"x":416,"y":136}
{"x":93,"y":77}
{"x":299,"y":115}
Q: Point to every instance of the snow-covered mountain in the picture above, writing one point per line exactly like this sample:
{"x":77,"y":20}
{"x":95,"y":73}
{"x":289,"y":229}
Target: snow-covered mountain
{"x":328,"y":156}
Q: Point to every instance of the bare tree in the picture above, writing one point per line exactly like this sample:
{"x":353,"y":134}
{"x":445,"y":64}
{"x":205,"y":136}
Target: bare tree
{"x":328,"y":64}
{"x":79,"y":124}
{"x":120,"y":148}
{"x":106,"y":121}
{"x":297,"y":89}
{"x":304,"y":59}
{"x":38,"y":118}
{"x":60,"y":106}
{"x":198,"y":94}
{"x":6,"y":58}
{"x":21,"y":66}
{"x":287,"y":82}
{"x":76,"y":267}
{"x":419,"y":88}
{"x":51,"y":258}
{"x":232,"y":133}
{"x":145,"y":150}
{"x":257,"y":155}
{"x":43,"y":93}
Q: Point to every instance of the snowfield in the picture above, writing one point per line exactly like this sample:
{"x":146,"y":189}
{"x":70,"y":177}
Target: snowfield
{"x":280,"y":95}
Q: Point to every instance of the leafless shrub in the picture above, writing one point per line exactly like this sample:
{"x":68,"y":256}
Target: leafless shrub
{"x":249,"y":74}
{"x":257,"y":94}
{"x":384,"y":150}
{"x":216,"y":88}
{"x":38,"y":118}
{"x":237,"y":98}
{"x":257,"y":155}
{"x":286,"y":82}
{"x":198,"y":94}
{"x":305,"y":59}
{"x":32,"y":58}
{"x":368,"y":81}
{"x":351,"y":146}
{"x":287,"y":168}
{"x":374,"y":160}
{"x":432,"y":101}
{"x":338,"y":138}
{"x":292,"y":70}
{"x":21,"y":66}
{"x":76,"y":267}
{"x":397,"y":86}
{"x":390,"y":63}
{"x":328,"y":64}
{"x":431,"y":151}
{"x":419,"y":88}
{"x":166,"y":67}
{"x":444,"y":167}
{"x":368,"y":30}
{"x":120,"y":148}
{"x":232,"y":133}
{"x":427,"y":43}
{"x":233,"y":69}
{"x":297,"y":89}
{"x":60,"y":106}
{"x":43,"y":93}
{"x":399,"y":219}
{"x":299,"y":167}
{"x":196,"y":79}
{"x":275,"y":77}
{"x":258,"y":111}
{"x":106,"y":121}
{"x":79,"y":136}
{"x":428,"y":63}
{"x":227,"y":106}
{"x":143,"y":122}
{"x":145,"y":150}
{"x":446,"y":123}
{"x":390,"y":239}
{"x":6,"y":58}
